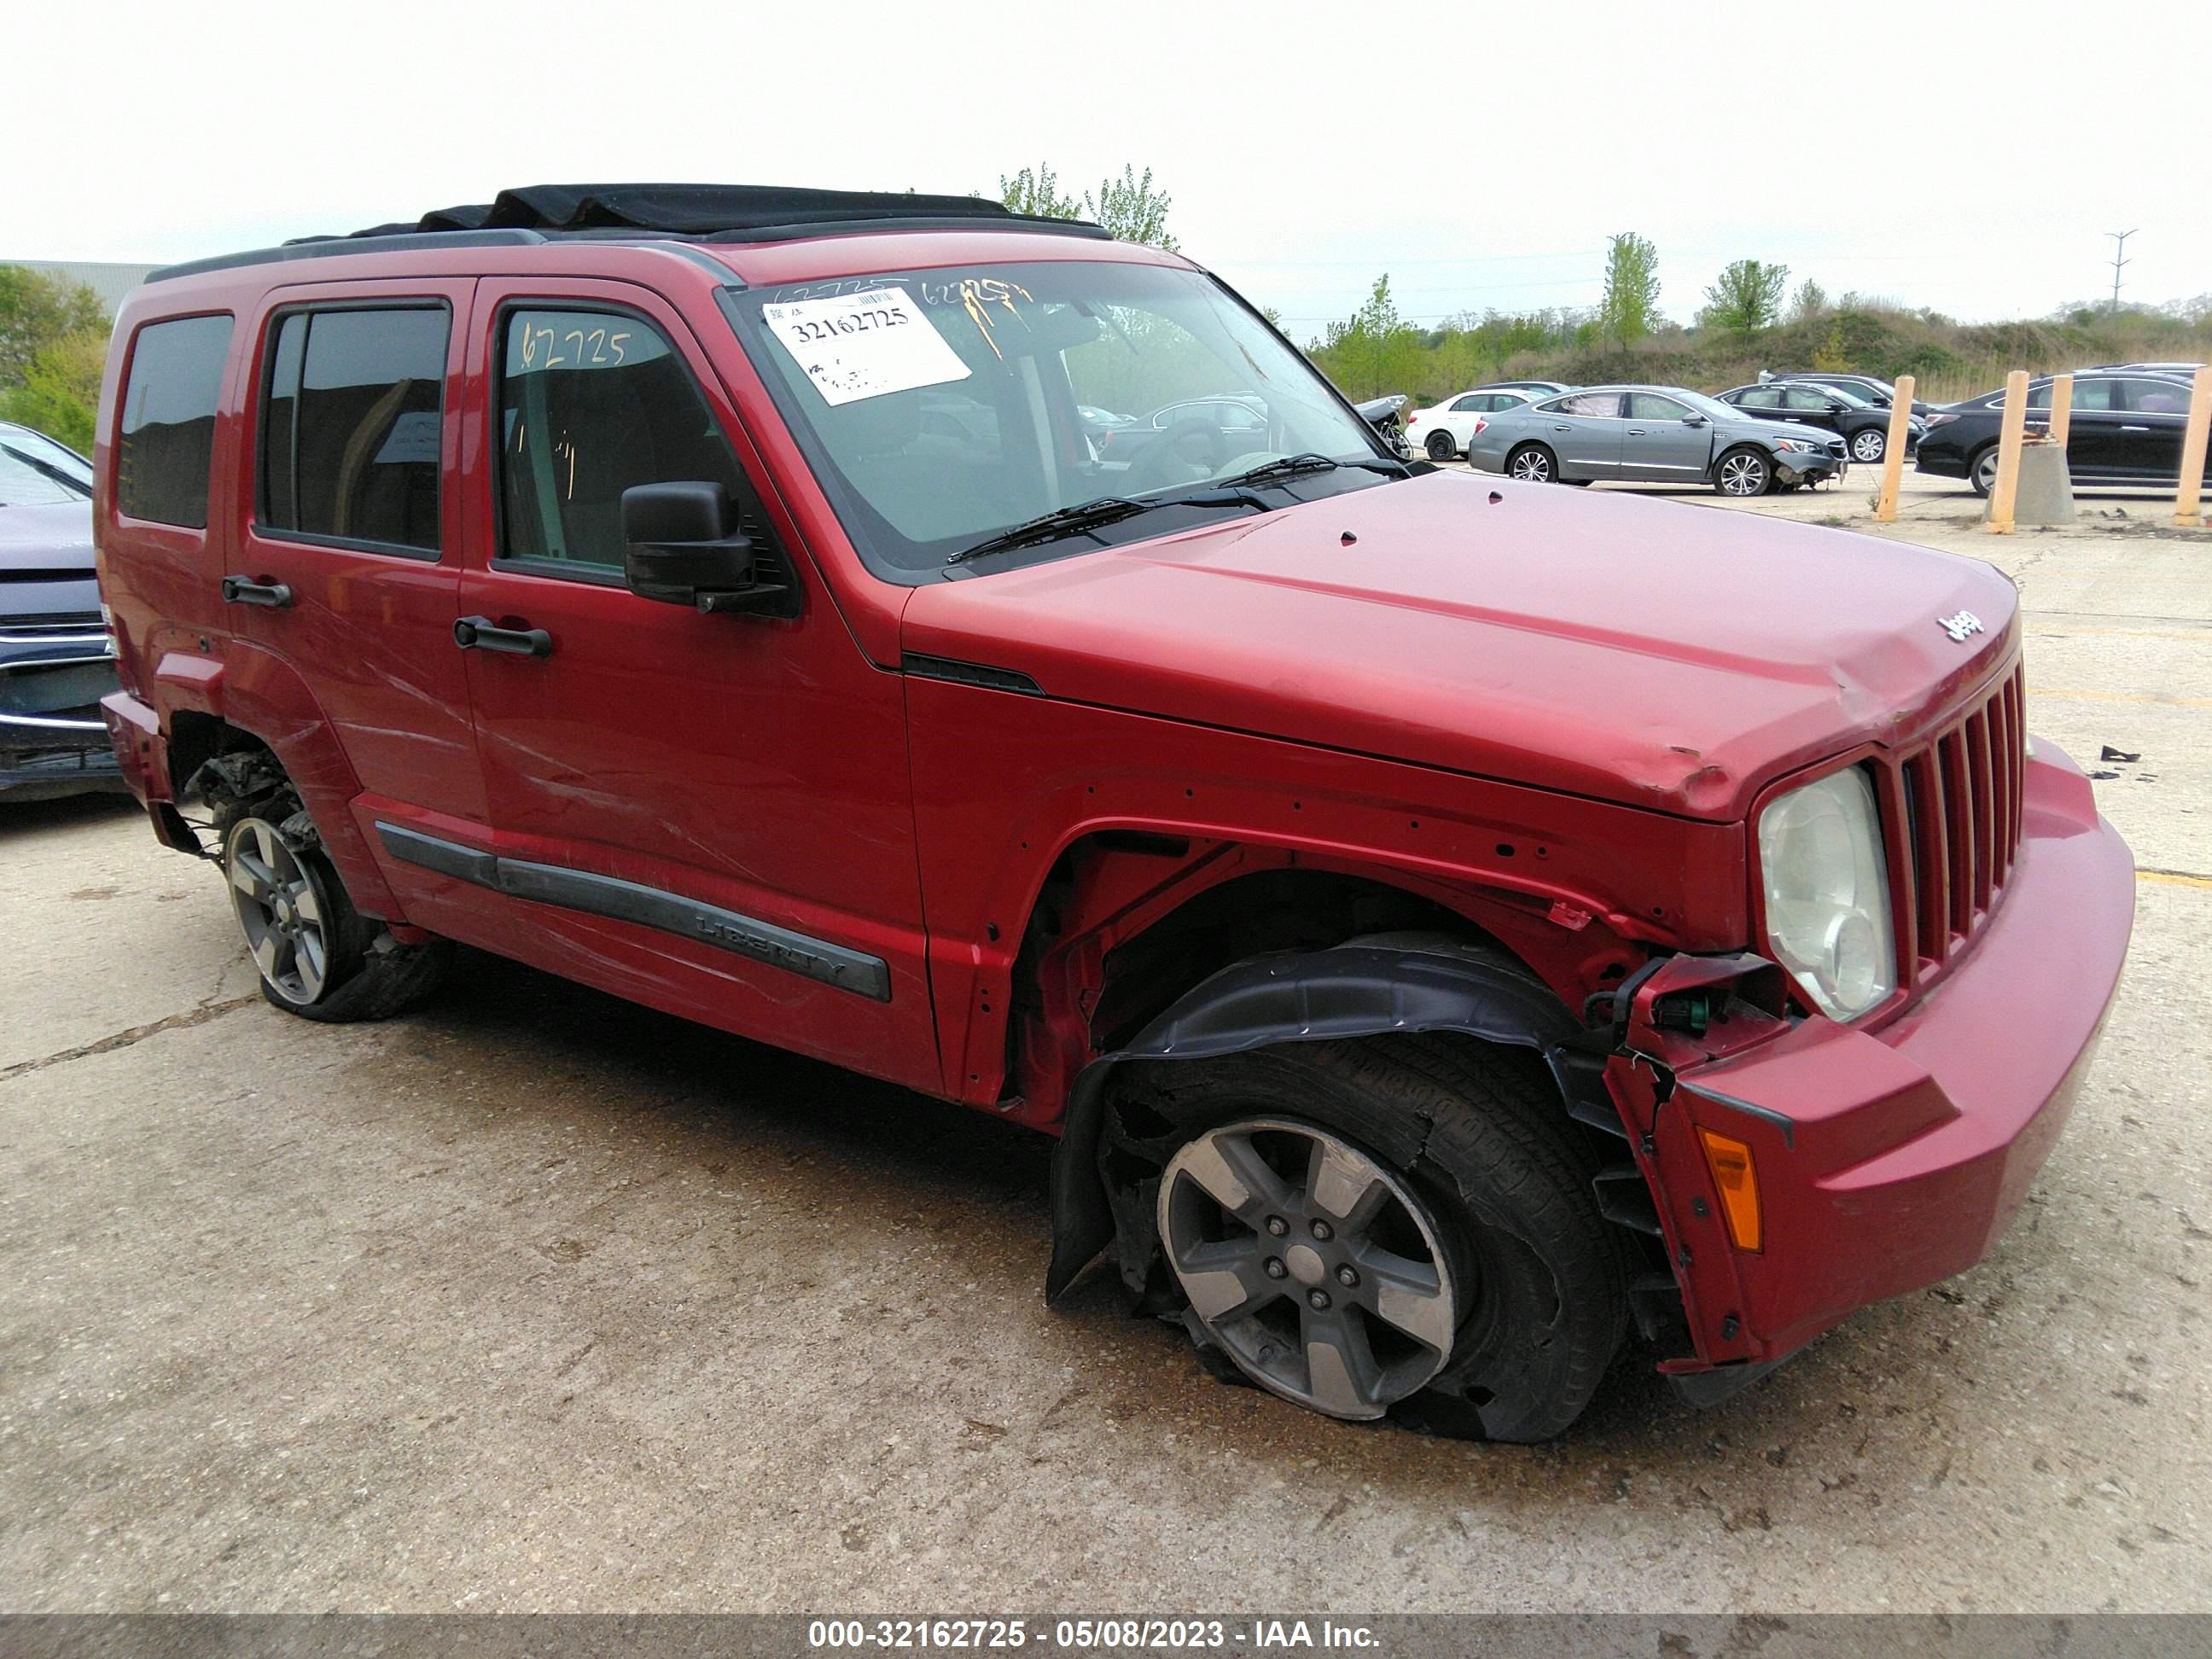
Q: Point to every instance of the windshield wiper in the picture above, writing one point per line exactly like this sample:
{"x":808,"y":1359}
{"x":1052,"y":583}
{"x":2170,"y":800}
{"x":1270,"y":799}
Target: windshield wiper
{"x":1290,"y":466}
{"x":1098,"y":514}
{"x":1061,"y":521}
{"x":69,"y":480}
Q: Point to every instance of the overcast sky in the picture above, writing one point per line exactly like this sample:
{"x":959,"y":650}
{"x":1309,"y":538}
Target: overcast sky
{"x":1959,"y":156}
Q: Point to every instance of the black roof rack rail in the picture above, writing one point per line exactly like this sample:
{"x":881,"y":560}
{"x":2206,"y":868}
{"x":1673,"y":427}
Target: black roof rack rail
{"x":688,"y":213}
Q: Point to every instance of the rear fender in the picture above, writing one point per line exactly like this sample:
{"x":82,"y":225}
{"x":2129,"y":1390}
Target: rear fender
{"x":260,"y":695}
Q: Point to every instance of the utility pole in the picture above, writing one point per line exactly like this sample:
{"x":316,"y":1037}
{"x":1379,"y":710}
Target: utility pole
{"x":2119,"y":246}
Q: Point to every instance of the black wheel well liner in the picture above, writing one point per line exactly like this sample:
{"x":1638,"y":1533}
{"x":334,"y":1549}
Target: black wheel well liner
{"x":1346,"y":991}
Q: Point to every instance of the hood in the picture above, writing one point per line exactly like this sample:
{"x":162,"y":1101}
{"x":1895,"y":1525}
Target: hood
{"x":56,"y":537}
{"x":1658,"y":653}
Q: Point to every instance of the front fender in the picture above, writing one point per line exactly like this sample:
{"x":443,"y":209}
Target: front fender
{"x":1350,"y":991}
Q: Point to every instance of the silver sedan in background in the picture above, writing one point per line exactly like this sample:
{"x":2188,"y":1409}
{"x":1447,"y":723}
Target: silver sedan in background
{"x":1652,"y":434}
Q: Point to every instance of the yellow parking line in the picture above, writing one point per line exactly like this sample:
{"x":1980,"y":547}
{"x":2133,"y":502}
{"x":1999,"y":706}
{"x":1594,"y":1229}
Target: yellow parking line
{"x":2175,"y":877}
{"x":2052,"y":694}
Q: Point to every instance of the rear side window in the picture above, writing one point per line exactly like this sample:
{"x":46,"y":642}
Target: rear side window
{"x":590,"y":404}
{"x":168,"y":436}
{"x":351,"y":427}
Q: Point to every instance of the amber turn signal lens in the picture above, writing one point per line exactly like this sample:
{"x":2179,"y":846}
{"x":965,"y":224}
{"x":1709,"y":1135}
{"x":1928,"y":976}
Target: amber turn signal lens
{"x":1738,"y":1181}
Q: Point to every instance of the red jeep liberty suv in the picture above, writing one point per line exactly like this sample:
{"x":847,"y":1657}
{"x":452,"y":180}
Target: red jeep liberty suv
{"x":1448,"y":923}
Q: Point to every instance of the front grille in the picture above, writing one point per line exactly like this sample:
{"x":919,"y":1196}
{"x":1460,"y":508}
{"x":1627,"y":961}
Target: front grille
{"x":51,"y":625}
{"x":1954,"y":828}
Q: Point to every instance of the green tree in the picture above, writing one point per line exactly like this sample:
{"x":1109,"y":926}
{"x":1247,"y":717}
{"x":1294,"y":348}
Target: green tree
{"x":1811,"y":300}
{"x":59,"y":394}
{"x":1037,"y":190}
{"x":1747,"y":298}
{"x":53,"y":342}
{"x":1130,"y":209}
{"x":1630,"y":309}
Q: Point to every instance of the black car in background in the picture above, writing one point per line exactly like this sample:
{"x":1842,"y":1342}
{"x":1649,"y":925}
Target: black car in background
{"x":1862,"y":423}
{"x":55,"y":661}
{"x":2126,"y":429}
{"x":1869,"y":385}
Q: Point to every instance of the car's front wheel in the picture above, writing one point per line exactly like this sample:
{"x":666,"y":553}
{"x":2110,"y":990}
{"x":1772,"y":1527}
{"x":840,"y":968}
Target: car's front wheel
{"x":1533,"y":464}
{"x":1870,"y":444}
{"x":1400,"y":1227}
{"x":1744,"y":472}
{"x":318,"y":957}
{"x":1439,"y":446}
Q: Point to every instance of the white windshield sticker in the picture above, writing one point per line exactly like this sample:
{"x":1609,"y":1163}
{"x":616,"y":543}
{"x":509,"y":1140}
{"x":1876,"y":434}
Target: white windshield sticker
{"x":863,"y":345}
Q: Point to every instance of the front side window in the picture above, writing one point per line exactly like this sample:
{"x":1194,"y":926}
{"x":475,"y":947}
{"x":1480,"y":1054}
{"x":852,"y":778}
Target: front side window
{"x":590,"y":404}
{"x":2156,"y":397}
{"x":1809,"y":402}
{"x":1650,"y":406}
{"x":167,"y":439}
{"x":352,"y":424}
{"x":941,"y":407}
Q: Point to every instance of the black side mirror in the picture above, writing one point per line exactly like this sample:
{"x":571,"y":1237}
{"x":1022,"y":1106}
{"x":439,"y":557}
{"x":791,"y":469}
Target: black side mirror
{"x":681,"y":544}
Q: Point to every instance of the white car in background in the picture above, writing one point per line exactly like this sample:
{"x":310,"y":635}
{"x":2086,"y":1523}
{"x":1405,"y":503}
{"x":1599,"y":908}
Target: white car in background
{"x":1441,"y":432}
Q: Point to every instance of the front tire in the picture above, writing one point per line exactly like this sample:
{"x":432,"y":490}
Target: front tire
{"x":1400,"y":1227}
{"x":1743,"y":472}
{"x":1533,"y":464}
{"x":1869,"y":446}
{"x":317,"y":955}
{"x":1439,"y":446}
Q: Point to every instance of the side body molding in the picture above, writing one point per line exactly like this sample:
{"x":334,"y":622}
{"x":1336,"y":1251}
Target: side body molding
{"x":1349,"y":991}
{"x":648,"y":907}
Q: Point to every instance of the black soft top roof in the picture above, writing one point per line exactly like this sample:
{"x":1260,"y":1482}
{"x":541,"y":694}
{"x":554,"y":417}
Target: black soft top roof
{"x":703,"y":213}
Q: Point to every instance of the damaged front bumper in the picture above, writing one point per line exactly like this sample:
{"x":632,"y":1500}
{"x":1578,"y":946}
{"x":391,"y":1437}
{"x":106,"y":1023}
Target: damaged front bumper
{"x":1890,"y":1158}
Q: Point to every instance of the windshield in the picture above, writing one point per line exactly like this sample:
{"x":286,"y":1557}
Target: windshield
{"x":1849,"y":395}
{"x":1711,"y":408}
{"x":27,"y":479}
{"x":941,"y":407}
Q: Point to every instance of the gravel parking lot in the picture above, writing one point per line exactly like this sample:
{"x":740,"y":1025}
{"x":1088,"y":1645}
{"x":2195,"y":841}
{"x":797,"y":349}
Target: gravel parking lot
{"x":538,"y":1300}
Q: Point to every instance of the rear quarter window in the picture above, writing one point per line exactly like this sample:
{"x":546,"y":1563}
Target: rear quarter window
{"x":167,"y":436}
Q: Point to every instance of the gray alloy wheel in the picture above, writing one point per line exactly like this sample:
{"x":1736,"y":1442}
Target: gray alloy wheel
{"x":1867,"y":446}
{"x":1744,"y":473}
{"x":1531,"y":464}
{"x":1983,"y":473}
{"x":1439,"y":446}
{"x":282,"y":909}
{"x":1316,"y":1269}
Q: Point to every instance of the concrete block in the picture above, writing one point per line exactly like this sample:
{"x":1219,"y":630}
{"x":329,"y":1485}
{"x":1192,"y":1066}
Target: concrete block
{"x":2047,"y":487}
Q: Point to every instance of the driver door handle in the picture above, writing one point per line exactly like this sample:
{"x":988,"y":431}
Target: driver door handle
{"x":2135,"y":428}
{"x":482,"y":634}
{"x":1562,"y":428}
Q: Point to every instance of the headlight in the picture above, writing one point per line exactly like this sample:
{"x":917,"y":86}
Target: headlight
{"x":1800,"y":446}
{"x":1827,"y":893}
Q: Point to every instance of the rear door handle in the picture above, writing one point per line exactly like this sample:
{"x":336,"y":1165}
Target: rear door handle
{"x":1562,"y":428}
{"x":2135,"y":428}
{"x":482,"y":634}
{"x":244,"y":590}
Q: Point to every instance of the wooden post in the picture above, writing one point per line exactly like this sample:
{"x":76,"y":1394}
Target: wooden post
{"x":1892,"y":454}
{"x":2061,"y":408}
{"x":2007,"y":487}
{"x":2186,"y":513}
